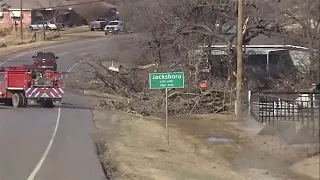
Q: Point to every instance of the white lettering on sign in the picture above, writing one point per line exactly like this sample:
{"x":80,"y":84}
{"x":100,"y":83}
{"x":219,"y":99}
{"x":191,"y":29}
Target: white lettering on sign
{"x":167,"y":76}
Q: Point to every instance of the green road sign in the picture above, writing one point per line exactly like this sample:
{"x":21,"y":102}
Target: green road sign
{"x":166,"y":80}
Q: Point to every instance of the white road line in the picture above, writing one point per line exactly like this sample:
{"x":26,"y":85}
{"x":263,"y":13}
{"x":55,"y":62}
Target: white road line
{"x":40,"y":49}
{"x":84,"y":53}
{"x":45,"y":154}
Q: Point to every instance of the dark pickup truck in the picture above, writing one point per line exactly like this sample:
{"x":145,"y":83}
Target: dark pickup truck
{"x":98,"y":24}
{"x":46,"y":60}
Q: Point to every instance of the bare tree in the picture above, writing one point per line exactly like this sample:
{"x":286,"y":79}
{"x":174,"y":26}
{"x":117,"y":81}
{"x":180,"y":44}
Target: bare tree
{"x":301,"y":22}
{"x":174,"y":33}
{"x":94,"y":10}
{"x":172,"y":23}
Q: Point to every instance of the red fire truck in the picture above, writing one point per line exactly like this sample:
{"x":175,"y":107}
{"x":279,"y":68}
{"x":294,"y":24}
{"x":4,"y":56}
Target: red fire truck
{"x":21,"y":85}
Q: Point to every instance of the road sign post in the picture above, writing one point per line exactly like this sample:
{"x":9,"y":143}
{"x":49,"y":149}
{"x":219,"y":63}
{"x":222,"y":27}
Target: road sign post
{"x":167,"y":129}
{"x":166,"y":81}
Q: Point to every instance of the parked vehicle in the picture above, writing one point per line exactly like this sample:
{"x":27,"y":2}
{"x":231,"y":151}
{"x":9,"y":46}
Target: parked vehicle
{"x":114,"y":27}
{"x":22,"y":85}
{"x":98,"y":24}
{"x":46,"y":60}
{"x":45,"y":25}
{"x":60,"y":25}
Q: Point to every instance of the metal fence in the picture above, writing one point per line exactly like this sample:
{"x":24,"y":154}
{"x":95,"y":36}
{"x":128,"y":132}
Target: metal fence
{"x":301,"y":107}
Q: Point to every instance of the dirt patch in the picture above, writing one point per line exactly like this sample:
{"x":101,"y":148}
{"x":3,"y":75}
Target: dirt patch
{"x":273,"y":156}
{"x":201,"y":147}
{"x":309,"y":166}
{"x":208,"y":128}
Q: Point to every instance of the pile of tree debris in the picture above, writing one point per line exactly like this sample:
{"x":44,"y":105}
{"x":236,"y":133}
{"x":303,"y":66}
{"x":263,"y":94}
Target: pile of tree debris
{"x":133,"y":86}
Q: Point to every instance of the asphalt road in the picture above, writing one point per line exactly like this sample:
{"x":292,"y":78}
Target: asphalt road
{"x":51,"y":144}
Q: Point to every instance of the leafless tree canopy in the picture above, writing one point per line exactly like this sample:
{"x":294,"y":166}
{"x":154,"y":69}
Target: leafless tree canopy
{"x":95,"y":10}
{"x":301,"y":20}
{"x":181,"y":26}
{"x":174,"y":32}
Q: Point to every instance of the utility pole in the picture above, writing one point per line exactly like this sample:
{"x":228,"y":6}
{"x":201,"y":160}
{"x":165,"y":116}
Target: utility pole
{"x":318,"y":61}
{"x":239,"y":61}
{"x":318,"y":67}
{"x":317,"y":64}
{"x":21,"y":14}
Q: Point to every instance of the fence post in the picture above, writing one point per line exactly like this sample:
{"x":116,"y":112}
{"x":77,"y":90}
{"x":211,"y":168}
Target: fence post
{"x":249,"y":102}
{"x":312,"y":114}
{"x":235,"y":107}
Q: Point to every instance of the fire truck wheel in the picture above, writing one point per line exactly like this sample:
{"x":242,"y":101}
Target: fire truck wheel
{"x":17,"y":100}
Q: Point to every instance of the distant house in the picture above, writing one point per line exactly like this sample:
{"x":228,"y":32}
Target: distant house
{"x":33,"y":11}
{"x":10,"y":17}
{"x":262,"y":63}
{"x":67,"y":17}
{"x":260,"y":60}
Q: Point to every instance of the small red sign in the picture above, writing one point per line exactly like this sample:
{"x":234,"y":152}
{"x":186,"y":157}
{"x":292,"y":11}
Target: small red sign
{"x":203,"y":84}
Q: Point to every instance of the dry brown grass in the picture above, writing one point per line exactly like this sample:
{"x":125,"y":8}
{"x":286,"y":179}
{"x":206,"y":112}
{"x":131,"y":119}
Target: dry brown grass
{"x":14,"y":44}
{"x":26,"y":46}
{"x":137,"y":149}
{"x":140,"y":151}
{"x":13,"y":37}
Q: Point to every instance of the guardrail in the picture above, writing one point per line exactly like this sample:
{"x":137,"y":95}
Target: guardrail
{"x":302,"y":107}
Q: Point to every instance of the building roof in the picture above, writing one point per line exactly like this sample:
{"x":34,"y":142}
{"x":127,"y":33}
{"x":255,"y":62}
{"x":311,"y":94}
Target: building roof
{"x":262,"y":39}
{"x":263,"y":47}
{"x":252,"y":50}
{"x":36,"y":4}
